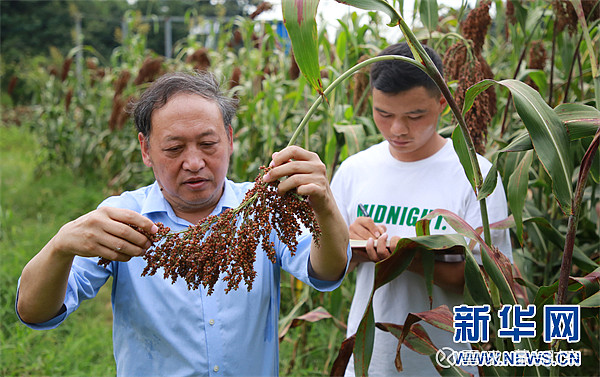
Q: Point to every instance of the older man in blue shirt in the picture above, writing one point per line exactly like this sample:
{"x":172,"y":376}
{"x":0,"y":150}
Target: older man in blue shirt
{"x":160,"y":328}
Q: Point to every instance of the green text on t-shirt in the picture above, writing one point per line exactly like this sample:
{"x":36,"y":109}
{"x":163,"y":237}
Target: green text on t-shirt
{"x":397,"y":215}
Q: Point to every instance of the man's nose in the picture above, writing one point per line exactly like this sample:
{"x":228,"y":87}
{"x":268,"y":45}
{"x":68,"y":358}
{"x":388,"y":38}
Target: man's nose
{"x":193,"y":161}
{"x":399,"y":127}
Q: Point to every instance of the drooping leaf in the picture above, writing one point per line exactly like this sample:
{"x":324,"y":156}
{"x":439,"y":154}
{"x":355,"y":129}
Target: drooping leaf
{"x":415,"y":336}
{"x":376,"y":5}
{"x":473,"y":92}
{"x":417,"y":339}
{"x":299,"y":17}
{"x":517,"y":191}
{"x":495,"y":263}
{"x":592,"y":301}
{"x":312,"y":316}
{"x":460,"y":146}
{"x":343,"y":357}
{"x":549,"y":137}
{"x":580,"y":120}
{"x":475,"y":283}
{"x":388,"y":269}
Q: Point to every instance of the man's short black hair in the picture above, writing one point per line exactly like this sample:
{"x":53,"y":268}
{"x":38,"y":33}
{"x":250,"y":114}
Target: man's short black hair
{"x":395,"y":76}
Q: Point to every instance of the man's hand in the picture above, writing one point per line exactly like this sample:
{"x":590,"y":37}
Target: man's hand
{"x":105,"y":232}
{"x":304,"y":171}
{"x":364,"y":228}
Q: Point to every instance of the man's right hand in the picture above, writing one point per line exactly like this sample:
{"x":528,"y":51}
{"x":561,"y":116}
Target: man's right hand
{"x":105,"y":232}
{"x":364,"y":228}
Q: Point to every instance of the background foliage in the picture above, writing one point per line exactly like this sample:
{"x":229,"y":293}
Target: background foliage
{"x":67,"y":143}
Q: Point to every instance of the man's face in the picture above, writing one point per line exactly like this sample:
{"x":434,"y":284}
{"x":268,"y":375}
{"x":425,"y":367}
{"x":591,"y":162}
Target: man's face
{"x":408,"y":121}
{"x":189,"y":150}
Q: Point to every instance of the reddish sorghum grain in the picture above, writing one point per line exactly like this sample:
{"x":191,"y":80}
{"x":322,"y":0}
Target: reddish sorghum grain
{"x":224,"y":246}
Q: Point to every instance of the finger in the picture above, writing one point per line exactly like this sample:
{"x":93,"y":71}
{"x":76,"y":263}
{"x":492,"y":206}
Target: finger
{"x":359,"y":232}
{"x":124,"y":239}
{"x":364,"y":227}
{"x":370,"y":249}
{"x":382,"y":250}
{"x":295,"y":161}
{"x":110,"y":254}
{"x":292,"y":152}
{"x":393,"y":243}
{"x":130,"y":217}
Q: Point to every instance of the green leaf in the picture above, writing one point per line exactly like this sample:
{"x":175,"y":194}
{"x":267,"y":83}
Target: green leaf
{"x":517,"y":192}
{"x":549,"y":137}
{"x":389,"y":268}
{"x":363,"y":345}
{"x":299,"y":17}
{"x":377,"y":5}
{"x":428,"y":262}
{"x":550,"y":233}
{"x":591,"y":302}
{"x":581,"y":120}
{"x":354,"y":135}
{"x":428,"y":11}
{"x":475,"y":282}
{"x":520,"y":143}
{"x":495,"y":263}
{"x":473,"y":92}
{"x":460,"y":146}
{"x":489,"y":184}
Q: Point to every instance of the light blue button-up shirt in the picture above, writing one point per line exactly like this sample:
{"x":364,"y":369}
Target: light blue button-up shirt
{"x":160,"y":328}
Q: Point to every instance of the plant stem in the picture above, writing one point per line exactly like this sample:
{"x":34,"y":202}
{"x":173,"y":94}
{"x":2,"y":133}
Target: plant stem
{"x":313,"y":108}
{"x":565,"y":267}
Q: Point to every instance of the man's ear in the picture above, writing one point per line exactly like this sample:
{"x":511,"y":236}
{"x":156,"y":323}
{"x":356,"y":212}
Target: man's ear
{"x":145,"y":147}
{"x":230,"y":130}
{"x":443,"y":103}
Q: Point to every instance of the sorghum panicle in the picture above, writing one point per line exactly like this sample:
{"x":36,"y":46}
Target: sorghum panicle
{"x":225,"y":245}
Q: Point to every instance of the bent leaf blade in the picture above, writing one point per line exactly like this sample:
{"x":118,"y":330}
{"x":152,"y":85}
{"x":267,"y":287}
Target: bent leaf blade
{"x":549,"y":137}
{"x":299,"y":18}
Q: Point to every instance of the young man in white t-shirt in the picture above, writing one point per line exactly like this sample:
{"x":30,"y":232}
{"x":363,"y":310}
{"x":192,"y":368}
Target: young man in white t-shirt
{"x":414,"y":171}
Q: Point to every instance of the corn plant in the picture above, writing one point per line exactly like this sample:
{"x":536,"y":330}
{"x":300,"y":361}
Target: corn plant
{"x":548,"y":133}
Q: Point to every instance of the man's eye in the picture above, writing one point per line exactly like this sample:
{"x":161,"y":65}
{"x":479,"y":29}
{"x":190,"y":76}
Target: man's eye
{"x":415,"y":118}
{"x":208,"y":144}
{"x":172,"y":149}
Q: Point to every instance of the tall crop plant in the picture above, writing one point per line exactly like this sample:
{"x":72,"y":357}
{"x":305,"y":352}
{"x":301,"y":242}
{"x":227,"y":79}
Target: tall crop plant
{"x":547,"y":139}
{"x":83,"y":126}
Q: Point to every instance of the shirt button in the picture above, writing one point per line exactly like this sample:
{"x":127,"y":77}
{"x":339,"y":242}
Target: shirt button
{"x":212,"y":322}
{"x":216,"y":368}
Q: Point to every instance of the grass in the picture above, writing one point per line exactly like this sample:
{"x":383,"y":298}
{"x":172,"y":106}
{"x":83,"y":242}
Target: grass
{"x":33,"y":206}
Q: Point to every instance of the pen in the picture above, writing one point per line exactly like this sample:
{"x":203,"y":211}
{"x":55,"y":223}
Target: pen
{"x":363,"y":210}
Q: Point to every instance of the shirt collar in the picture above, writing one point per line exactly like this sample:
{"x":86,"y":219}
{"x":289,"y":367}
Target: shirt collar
{"x":156,"y":202}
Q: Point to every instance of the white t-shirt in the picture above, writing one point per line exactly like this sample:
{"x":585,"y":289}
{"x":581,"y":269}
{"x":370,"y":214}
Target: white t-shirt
{"x":397,"y":194}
